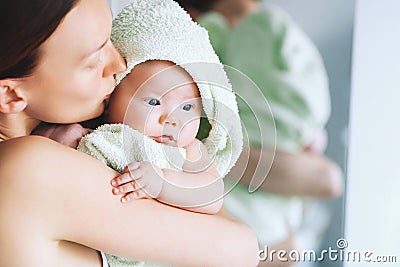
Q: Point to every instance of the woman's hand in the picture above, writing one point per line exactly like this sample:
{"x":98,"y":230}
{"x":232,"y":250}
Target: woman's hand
{"x":139,"y":180}
{"x":66,"y":134}
{"x":319,"y":143}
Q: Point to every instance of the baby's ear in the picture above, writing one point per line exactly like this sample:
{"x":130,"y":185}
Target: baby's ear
{"x":10,"y":99}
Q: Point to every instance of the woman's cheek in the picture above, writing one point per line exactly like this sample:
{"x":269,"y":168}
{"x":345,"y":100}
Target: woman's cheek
{"x":91,"y":81}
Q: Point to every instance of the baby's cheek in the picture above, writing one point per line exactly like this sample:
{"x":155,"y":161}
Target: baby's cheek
{"x":147,"y":124}
{"x":135,"y":116}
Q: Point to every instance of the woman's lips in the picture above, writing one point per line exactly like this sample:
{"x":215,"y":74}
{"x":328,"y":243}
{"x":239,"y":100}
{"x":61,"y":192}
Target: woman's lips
{"x":113,"y":83}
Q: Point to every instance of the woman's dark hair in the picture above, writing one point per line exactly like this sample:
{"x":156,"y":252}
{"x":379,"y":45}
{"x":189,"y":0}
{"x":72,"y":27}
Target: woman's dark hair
{"x":24,"y":26}
{"x":199,"y":5}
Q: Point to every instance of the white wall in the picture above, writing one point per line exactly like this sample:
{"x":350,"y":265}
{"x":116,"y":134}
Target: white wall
{"x":373,"y":186}
{"x":117,"y":5}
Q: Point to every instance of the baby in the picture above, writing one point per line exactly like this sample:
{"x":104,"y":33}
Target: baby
{"x":173,"y":74}
{"x":165,"y":105}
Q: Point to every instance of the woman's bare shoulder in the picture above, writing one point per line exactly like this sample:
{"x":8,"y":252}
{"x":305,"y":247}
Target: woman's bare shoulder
{"x":26,"y":148}
{"x":36,"y":154}
{"x":30,"y":148}
{"x":28,"y":141}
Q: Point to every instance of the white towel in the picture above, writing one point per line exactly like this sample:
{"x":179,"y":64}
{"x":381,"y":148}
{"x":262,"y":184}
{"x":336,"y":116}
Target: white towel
{"x":162,"y":30}
{"x":114,"y":261}
{"x":117,"y":145}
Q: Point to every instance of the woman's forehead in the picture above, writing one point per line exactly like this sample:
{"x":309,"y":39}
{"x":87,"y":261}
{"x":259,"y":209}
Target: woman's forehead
{"x":83,"y":30}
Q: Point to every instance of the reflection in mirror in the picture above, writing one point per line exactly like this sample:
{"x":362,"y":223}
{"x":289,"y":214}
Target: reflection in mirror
{"x":330,"y":25}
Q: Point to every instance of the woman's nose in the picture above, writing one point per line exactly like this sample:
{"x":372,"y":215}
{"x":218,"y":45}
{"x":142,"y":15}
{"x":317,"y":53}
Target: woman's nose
{"x":114,"y":61}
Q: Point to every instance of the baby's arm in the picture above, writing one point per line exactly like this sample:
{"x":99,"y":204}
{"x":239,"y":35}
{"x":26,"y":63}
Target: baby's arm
{"x":197,"y":188}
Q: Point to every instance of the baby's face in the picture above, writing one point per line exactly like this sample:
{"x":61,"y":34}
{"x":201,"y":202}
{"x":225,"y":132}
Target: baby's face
{"x":165,"y":107}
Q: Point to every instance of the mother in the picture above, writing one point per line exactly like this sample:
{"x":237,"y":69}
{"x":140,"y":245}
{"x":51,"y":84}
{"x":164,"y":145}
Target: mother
{"x":56,"y":208}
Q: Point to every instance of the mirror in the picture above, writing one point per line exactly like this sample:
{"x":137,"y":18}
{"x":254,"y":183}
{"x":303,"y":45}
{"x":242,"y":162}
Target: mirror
{"x":330,"y":25}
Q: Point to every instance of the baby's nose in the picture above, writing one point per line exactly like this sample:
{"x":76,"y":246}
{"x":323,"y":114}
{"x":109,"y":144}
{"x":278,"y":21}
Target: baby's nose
{"x":169,"y":120}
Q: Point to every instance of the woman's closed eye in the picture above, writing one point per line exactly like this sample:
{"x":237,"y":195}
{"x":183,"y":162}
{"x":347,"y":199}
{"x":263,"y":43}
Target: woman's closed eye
{"x":152,"y":101}
{"x":95,"y":63}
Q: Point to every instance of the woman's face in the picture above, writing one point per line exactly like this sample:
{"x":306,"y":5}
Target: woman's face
{"x":75,"y":73}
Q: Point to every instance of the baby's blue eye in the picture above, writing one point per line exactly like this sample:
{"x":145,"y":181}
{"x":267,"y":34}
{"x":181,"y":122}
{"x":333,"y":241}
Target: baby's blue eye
{"x":187,"y":107}
{"x":152,"y":102}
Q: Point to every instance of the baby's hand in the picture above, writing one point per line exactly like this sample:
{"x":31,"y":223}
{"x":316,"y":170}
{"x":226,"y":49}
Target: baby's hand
{"x":138,"y":180}
{"x":66,"y":134}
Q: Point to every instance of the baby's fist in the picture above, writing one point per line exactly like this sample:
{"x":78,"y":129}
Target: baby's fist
{"x":146,"y":181}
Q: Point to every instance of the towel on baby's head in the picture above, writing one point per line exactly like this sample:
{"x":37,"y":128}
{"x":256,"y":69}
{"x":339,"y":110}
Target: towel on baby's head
{"x":162,"y":30}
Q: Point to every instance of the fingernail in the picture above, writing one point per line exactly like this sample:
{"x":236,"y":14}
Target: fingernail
{"x":115,"y":190}
{"x":123,"y":200}
{"x":113,"y":183}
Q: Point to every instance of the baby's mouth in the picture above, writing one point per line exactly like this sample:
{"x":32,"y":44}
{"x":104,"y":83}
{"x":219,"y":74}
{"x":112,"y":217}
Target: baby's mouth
{"x":163,"y":139}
